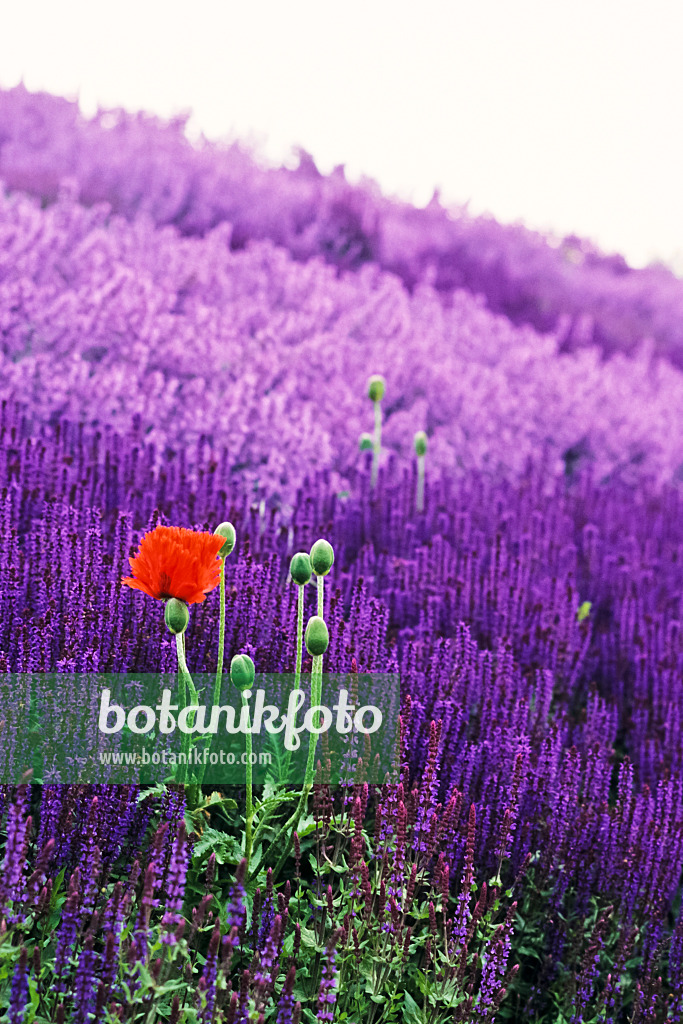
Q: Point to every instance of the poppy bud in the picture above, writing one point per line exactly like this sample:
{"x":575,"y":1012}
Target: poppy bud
{"x":584,"y":611}
{"x":322,"y":557}
{"x":365,"y":442}
{"x":242,"y":671}
{"x":420,"y":442}
{"x":376,"y":386}
{"x":227,"y":531}
{"x":300,"y":568}
{"x":176,"y":615}
{"x":317,"y":638}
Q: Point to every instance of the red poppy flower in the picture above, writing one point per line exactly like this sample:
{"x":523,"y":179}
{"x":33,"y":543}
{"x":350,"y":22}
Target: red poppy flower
{"x":174,"y":562}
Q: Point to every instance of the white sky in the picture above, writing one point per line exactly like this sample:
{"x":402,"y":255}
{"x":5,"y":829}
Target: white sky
{"x":566,"y":115}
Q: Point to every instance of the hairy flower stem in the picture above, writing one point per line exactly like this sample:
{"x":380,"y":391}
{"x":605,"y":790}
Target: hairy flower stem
{"x":297,"y":669}
{"x":187,"y":695}
{"x":249,"y":810}
{"x":293,"y":822}
{"x":182,"y":667}
{"x":321,"y":596}
{"x":316,"y":697}
{"x":218,"y":685}
{"x":420,"y":483}
{"x":221,"y":637}
{"x":376,"y":442}
{"x":299,"y":636}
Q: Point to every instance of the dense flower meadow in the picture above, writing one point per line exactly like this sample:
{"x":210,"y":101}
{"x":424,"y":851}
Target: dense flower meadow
{"x":186,"y":341}
{"x":140,"y":165}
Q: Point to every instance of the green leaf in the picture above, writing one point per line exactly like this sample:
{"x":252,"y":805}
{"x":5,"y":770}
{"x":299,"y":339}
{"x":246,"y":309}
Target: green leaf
{"x":57,"y":888}
{"x":217,"y":798}
{"x":159,"y":790}
{"x":309,"y":941}
{"x":256,"y":858}
{"x":411,"y":1011}
{"x":529,"y":952}
{"x":306,"y":826}
{"x":269,"y":791}
{"x":423,"y":982}
{"x":226,"y":848}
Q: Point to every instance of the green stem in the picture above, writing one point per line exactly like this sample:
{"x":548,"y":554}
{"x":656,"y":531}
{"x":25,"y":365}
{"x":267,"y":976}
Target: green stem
{"x":376,"y":442}
{"x":297,"y":670}
{"x":316,"y":697}
{"x":299,"y":635}
{"x":218,"y":685}
{"x":249,"y":811}
{"x":185,"y":689}
{"x":321,"y":598}
{"x":221,"y":638}
{"x":190,"y":685}
{"x":182,"y":668}
{"x":420,"y":483}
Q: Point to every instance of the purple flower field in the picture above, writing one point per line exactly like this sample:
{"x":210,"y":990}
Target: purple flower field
{"x":186,"y":339}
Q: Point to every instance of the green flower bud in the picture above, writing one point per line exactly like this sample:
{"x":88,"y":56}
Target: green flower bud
{"x":322,"y":557}
{"x":227,"y":531}
{"x":242,"y":671}
{"x":300,"y":568}
{"x":365,"y":442}
{"x":317,"y":638}
{"x":176,"y":615}
{"x":584,"y":611}
{"x":376,"y":386}
{"x":420,"y":442}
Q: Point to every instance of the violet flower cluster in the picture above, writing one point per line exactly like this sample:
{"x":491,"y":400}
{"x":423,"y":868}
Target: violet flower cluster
{"x":139,"y":164}
{"x":174,"y":351}
{"x":104,"y":321}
